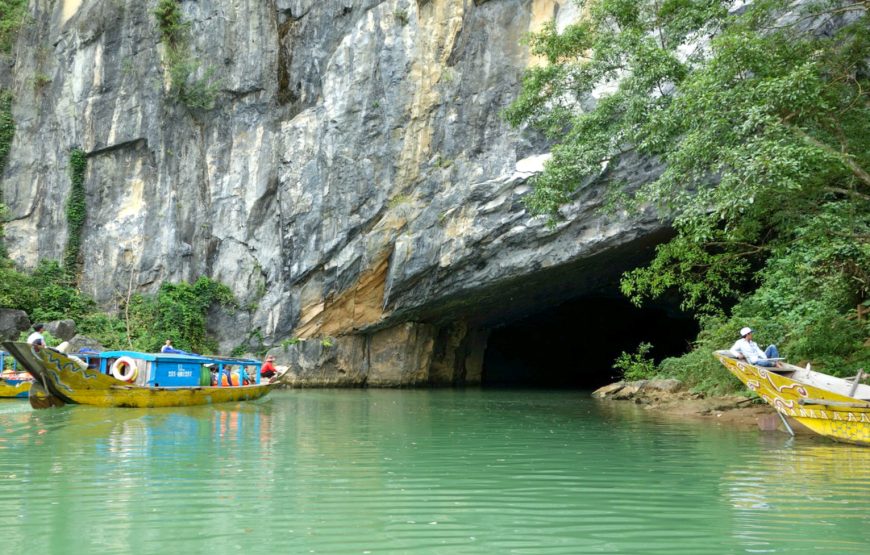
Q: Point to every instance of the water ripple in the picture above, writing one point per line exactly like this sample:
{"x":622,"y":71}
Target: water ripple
{"x":419,"y":472}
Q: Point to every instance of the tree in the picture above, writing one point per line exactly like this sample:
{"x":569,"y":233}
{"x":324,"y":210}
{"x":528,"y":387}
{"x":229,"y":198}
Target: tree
{"x":760,"y":117}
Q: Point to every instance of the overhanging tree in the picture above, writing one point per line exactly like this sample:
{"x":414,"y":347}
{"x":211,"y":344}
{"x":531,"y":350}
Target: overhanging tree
{"x":760,"y":116}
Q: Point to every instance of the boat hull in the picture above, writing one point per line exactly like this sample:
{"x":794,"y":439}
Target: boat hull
{"x":14,"y":388}
{"x":813,"y":407}
{"x":70,"y":381}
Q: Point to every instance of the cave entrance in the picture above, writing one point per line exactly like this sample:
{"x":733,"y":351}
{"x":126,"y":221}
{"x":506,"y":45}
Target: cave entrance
{"x":562,"y":325}
{"x":573,"y":345}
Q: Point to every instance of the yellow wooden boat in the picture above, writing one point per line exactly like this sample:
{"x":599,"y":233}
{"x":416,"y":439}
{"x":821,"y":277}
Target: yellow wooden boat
{"x":132,"y":379}
{"x":15,"y":385}
{"x":833,"y":407}
{"x":12,"y":382}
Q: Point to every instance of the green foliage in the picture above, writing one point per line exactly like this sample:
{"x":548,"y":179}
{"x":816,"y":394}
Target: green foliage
{"x":7,"y":133}
{"x":401,"y":16}
{"x":170,"y":20}
{"x":109,"y":330}
{"x":40,"y":81}
{"x":637,"y":365}
{"x":194,"y":92}
{"x":290,"y":341}
{"x":698,"y":368}
{"x":399,"y":200}
{"x":46,"y":294}
{"x":13,"y":13}
{"x":176,"y":312}
{"x":762,"y":124}
{"x":327,"y":342}
{"x":253,"y":343}
{"x":76,"y":210}
{"x":7,"y":127}
{"x":442,"y":162}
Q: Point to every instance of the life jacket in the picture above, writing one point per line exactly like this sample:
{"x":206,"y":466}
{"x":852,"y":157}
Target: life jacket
{"x":233,"y":379}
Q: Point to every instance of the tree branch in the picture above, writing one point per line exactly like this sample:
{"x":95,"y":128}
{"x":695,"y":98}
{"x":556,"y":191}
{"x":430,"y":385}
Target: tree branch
{"x":847,"y":192}
{"x":856,"y":169}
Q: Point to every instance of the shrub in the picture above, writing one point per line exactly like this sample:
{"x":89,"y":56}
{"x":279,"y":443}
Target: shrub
{"x":195,"y":93}
{"x":176,"y":312}
{"x":637,"y":365}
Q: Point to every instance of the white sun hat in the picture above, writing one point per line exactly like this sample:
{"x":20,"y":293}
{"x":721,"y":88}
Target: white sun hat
{"x":745,"y":331}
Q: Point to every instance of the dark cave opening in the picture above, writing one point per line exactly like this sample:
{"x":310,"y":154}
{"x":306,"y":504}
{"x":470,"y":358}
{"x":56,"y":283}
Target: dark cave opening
{"x":573,"y":345}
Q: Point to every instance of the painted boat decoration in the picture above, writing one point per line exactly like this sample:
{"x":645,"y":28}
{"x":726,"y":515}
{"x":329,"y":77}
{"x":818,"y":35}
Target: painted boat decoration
{"x":13,"y":384}
{"x":832,"y":407}
{"x":133,"y":379}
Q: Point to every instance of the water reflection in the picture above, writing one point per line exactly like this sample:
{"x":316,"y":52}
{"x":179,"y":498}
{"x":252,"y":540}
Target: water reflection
{"x":418,"y":472}
{"x":791,"y":496}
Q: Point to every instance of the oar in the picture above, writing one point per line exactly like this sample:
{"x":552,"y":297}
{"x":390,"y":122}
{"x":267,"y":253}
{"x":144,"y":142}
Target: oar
{"x":856,"y":382}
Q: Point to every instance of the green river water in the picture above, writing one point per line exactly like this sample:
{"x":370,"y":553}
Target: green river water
{"x":419,"y":472}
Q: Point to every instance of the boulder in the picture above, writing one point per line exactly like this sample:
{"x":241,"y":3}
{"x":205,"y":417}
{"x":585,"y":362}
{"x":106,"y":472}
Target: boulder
{"x":79,"y":342}
{"x":608,"y":390}
{"x":629,"y":391}
{"x":12,"y":323}
{"x":670,"y":385}
{"x":62,"y":329}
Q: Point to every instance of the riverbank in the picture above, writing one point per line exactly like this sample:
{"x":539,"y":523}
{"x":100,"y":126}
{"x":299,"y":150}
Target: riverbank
{"x":671,"y":399}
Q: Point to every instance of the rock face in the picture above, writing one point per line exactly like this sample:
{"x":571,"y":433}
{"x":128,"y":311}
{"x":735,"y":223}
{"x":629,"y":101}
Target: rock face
{"x":409,"y":354}
{"x":354,"y":179}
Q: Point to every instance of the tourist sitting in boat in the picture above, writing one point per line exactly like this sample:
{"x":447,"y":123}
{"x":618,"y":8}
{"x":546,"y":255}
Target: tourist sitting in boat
{"x":746,"y":348}
{"x":36,"y":338}
{"x":268,"y":370}
{"x":229,"y":376}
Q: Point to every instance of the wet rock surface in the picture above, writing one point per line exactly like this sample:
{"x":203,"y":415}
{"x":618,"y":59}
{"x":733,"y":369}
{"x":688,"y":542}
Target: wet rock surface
{"x":671,"y":399}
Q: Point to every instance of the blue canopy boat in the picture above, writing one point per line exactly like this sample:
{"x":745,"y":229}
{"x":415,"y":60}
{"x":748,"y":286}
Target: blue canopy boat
{"x":134,"y":379}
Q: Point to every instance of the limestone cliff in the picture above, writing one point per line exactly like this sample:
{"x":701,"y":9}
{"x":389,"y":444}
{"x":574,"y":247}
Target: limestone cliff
{"x":353,"y":178}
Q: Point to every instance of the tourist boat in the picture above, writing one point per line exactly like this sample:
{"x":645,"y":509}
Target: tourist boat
{"x":133,"y":379}
{"x":834,"y":407}
{"x":13,"y":384}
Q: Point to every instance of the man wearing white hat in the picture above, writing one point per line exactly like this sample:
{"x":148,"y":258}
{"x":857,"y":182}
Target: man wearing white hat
{"x":748,"y":349}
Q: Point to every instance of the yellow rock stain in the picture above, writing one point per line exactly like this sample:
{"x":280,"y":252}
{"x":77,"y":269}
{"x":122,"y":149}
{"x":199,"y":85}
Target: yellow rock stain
{"x":68,"y":9}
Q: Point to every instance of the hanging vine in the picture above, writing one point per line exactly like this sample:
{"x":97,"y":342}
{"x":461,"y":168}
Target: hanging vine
{"x":75,"y":210}
{"x":7,"y":132}
{"x":7,"y":128}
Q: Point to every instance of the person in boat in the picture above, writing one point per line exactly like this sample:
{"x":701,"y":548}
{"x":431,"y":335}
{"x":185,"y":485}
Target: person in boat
{"x":230,"y":376}
{"x":167,"y":347}
{"x":746,"y":348}
{"x":36,"y":338}
{"x":268,"y":369}
{"x":212,"y":368}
